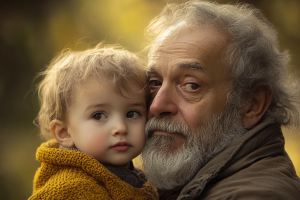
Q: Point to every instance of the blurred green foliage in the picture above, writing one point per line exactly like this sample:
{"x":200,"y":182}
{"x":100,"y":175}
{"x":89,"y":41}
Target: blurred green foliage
{"x":32,"y":32}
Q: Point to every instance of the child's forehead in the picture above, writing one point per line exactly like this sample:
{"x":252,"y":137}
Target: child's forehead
{"x":102,"y":92}
{"x":94,"y":83}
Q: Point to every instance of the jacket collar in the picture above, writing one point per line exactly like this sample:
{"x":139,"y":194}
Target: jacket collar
{"x":240,"y":153}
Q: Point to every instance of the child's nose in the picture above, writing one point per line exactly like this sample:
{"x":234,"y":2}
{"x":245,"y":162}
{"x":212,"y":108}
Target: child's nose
{"x":120,"y":128}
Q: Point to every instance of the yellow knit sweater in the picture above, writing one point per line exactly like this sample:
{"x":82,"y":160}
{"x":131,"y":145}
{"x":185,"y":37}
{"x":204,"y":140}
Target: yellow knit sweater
{"x":67,"y":174}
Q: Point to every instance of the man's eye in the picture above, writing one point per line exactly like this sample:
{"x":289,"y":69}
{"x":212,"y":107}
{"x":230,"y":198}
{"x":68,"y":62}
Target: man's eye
{"x":192,"y":86}
{"x":132,"y":114}
{"x":99,"y":116}
{"x":155,"y":83}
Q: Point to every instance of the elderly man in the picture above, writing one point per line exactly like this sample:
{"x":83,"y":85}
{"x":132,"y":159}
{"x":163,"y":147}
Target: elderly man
{"x":219,"y":97}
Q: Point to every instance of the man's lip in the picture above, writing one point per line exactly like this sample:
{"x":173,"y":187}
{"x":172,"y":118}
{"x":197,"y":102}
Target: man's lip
{"x":164,"y":133}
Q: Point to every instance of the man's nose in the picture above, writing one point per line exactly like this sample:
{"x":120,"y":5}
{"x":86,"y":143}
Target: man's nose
{"x":163,"y":103}
{"x":119,"y":127}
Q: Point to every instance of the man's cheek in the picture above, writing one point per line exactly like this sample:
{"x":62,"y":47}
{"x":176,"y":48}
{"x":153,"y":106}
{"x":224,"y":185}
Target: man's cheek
{"x":149,"y":116}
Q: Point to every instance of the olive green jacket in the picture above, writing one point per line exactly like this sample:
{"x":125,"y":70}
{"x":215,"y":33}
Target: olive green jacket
{"x":254,"y":166}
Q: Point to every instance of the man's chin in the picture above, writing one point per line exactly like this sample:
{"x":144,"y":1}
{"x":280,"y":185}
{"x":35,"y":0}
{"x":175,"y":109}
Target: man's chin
{"x":166,"y":143}
{"x":165,"y":162}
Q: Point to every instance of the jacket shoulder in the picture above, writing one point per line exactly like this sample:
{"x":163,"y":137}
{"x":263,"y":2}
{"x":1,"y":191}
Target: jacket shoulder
{"x":268,"y":178}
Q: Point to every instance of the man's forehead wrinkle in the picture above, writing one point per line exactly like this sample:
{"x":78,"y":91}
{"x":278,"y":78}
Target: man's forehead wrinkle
{"x":152,"y":61}
{"x":174,"y":49}
{"x":172,"y":44}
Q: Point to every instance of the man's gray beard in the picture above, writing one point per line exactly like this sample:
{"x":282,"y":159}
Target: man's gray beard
{"x":170,"y":167}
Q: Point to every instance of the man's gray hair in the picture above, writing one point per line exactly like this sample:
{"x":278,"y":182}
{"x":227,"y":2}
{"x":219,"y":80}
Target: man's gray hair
{"x":253,"y":54}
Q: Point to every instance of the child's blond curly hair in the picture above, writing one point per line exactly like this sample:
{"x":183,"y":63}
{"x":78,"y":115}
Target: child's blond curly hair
{"x":68,"y":72}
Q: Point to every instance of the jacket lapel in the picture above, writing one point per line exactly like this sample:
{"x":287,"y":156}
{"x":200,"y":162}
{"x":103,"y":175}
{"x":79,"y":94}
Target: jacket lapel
{"x":225,"y":163}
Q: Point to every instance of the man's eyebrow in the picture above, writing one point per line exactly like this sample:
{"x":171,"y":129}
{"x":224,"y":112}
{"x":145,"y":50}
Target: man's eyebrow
{"x":187,"y":65}
{"x":151,"y":69}
{"x":192,"y":66}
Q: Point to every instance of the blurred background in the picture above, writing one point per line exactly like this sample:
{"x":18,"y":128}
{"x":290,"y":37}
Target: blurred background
{"x":32,"y":32}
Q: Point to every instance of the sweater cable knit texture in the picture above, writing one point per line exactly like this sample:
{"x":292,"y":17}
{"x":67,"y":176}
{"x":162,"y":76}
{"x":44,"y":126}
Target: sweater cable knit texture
{"x":67,"y":174}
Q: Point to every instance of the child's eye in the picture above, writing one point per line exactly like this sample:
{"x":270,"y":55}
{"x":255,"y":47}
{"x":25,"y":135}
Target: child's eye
{"x":133,"y":114}
{"x":99,"y":116}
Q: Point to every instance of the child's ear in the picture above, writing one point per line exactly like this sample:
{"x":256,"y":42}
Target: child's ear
{"x":59,"y":131}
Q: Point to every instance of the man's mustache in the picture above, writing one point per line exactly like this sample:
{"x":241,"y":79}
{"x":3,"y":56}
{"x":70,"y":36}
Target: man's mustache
{"x":166,"y":124}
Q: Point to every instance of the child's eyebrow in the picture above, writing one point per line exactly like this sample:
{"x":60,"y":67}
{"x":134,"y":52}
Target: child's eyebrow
{"x":100,"y":105}
{"x":138,"y":104}
{"x":94,"y":106}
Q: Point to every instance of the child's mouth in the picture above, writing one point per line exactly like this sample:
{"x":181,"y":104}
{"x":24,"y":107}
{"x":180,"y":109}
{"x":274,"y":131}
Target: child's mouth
{"x":121,"y":146}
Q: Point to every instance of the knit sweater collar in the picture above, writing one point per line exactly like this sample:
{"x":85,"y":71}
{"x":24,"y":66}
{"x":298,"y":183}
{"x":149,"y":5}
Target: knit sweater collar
{"x":133,"y":176}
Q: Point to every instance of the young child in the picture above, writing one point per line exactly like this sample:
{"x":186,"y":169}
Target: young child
{"x":93,"y":103}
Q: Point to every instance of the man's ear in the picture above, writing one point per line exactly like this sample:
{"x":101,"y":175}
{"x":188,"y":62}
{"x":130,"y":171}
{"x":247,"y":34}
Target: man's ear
{"x":59,"y":131}
{"x":260,"y":99}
